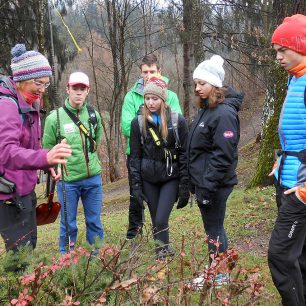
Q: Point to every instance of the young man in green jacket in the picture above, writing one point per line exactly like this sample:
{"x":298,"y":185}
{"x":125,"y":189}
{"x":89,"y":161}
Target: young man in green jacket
{"x":133,"y":100}
{"x":82,"y":178}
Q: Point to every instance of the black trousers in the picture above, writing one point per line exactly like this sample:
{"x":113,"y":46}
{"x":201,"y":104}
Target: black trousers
{"x":136,"y":213}
{"x":213,"y":219}
{"x":287,"y":250}
{"x":161,"y":198}
{"x":18,"y":226}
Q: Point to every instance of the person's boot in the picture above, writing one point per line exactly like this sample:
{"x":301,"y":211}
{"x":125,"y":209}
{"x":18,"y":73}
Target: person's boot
{"x":163,"y":252}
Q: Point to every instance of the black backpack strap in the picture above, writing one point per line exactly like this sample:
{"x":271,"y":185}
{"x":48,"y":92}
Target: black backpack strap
{"x":81,"y":126}
{"x":174,"y":121}
{"x":140,"y":123}
{"x":92,"y":116}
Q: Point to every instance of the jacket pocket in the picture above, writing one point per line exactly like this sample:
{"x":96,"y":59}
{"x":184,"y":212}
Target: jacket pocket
{"x":148,"y":170}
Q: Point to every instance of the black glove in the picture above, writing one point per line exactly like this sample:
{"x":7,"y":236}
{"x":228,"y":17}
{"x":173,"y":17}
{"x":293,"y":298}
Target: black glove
{"x":183,"y":194}
{"x":139,"y":196}
{"x":203,"y":196}
{"x":191,"y":188}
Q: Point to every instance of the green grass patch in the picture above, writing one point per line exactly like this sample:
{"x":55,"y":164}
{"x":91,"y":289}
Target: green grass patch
{"x":249,"y":221}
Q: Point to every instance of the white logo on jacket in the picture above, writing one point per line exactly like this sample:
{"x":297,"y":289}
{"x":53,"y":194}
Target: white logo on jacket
{"x":228,"y":134}
{"x":202,"y":124}
{"x":69,"y":128}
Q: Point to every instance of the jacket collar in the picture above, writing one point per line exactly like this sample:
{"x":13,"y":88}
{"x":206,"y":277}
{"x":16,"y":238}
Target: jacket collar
{"x":72,"y":109}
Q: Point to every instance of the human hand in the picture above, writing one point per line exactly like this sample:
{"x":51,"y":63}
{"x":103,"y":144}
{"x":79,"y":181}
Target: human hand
{"x":288,"y":191}
{"x":182,"y":202}
{"x":191,"y":188}
{"x":203,"y":196}
{"x":183,"y":193}
{"x":58,"y":153}
{"x":273,"y":169}
{"x":55,"y":175}
{"x":296,"y":191}
{"x":139,"y":196}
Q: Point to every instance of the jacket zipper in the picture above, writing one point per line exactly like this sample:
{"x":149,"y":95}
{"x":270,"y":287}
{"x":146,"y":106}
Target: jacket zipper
{"x":191,"y":132}
{"x":83,"y":147}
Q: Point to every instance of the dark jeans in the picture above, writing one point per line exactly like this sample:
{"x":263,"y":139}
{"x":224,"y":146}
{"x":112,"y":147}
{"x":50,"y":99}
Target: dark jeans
{"x":213,"y":219}
{"x":136,"y":213}
{"x":161,"y":198}
{"x":287,"y":250}
{"x":18,"y":227}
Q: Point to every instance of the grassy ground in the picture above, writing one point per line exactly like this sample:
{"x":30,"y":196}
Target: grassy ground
{"x":249,"y":221}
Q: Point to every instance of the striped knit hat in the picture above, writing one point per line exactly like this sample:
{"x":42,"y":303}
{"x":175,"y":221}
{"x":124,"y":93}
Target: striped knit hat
{"x":157,"y":87}
{"x":27,"y":65}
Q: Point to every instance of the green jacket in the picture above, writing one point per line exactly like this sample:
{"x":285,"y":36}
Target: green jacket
{"x":77,"y":166}
{"x":133,"y":99}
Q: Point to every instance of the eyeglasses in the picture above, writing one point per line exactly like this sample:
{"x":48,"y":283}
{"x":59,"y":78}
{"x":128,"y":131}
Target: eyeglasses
{"x":41,"y":85}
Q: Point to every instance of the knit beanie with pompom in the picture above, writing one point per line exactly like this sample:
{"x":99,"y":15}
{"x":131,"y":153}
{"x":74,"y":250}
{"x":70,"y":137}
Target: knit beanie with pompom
{"x":211,"y":71}
{"x":156,"y":87}
{"x":27,"y":65}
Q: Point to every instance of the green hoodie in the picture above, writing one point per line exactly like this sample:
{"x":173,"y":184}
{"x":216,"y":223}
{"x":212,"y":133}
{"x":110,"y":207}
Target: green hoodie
{"x":77,"y":166}
{"x":133,"y":99}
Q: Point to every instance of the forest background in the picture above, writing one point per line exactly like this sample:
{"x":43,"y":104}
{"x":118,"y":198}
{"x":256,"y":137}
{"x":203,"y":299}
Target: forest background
{"x":107,"y":39}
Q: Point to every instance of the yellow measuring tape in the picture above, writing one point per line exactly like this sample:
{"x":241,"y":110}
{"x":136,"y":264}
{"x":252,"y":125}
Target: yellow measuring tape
{"x":71,"y":35}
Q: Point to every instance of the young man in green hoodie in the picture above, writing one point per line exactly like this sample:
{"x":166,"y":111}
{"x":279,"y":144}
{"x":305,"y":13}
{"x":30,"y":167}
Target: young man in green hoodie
{"x":133,"y":100}
{"x":82,"y":178}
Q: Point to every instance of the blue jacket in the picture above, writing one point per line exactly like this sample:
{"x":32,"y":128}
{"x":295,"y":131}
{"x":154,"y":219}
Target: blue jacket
{"x":292,"y":133}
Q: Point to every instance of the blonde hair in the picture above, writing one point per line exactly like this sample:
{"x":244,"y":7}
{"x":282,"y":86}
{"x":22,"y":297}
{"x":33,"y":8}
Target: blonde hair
{"x":163,"y":116}
{"x":215,"y":97}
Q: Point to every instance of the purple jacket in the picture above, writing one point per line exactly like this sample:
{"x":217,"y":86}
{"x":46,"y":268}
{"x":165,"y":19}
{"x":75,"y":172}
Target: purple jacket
{"x":20,"y":150}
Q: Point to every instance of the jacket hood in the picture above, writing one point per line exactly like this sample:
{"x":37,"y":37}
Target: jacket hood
{"x":233,"y":98}
{"x":7,"y":86}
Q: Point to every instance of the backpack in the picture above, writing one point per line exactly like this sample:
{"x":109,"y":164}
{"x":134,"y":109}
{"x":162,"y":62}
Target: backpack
{"x":92,"y":116}
{"x":11,"y":98}
{"x":174,"y":122}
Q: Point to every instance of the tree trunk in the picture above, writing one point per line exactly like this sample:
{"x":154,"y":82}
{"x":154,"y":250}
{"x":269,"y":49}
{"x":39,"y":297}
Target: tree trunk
{"x":187,"y":79}
{"x":270,"y":139}
{"x":274,"y":100}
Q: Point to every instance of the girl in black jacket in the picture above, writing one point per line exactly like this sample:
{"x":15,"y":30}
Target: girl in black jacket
{"x":158,"y":161}
{"x":212,"y":148}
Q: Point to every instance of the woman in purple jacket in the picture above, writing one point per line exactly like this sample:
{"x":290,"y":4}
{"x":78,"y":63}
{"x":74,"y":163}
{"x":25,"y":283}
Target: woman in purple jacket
{"x":21,"y":154}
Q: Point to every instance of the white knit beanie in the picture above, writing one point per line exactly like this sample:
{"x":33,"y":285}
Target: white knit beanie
{"x":211,"y":71}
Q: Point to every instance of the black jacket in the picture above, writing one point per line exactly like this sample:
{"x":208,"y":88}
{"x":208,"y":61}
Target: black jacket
{"x":212,"y":144}
{"x":147,"y":160}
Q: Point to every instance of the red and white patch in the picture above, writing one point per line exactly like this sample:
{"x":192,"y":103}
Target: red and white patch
{"x":228,"y":134}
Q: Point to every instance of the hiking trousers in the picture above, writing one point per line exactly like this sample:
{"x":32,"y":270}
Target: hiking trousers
{"x":287,"y":250}
{"x":18,"y":226}
{"x":136,"y":213}
{"x":213,"y":219}
{"x":161,"y":198}
{"x":89,"y":190}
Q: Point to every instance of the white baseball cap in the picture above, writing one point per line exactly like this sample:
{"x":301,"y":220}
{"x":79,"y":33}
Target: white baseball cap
{"x":78,"y":78}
